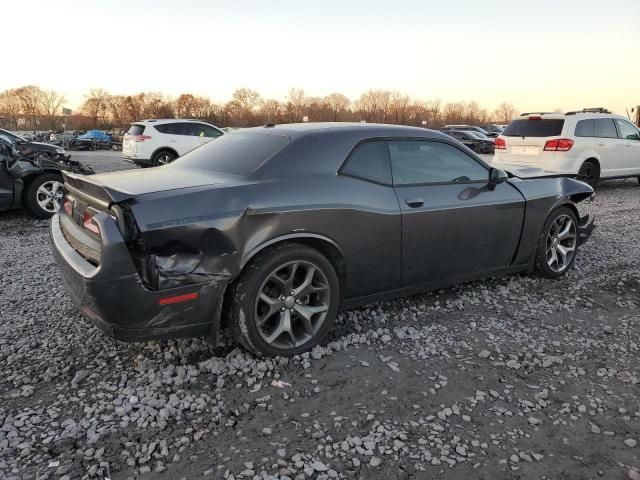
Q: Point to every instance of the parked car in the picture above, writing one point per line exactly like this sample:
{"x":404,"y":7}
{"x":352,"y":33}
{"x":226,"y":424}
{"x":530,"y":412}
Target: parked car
{"x":27,"y":147}
{"x":34,"y":180}
{"x":493,"y":129}
{"x":592,"y":144}
{"x":92,"y":140}
{"x":158,"y":142}
{"x":275,"y":228}
{"x":466,"y":128}
{"x":474,"y":140}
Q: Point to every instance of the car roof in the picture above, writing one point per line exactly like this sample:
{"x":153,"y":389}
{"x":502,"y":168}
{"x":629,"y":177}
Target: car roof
{"x":160,"y":121}
{"x":567,"y":115}
{"x":364,"y":130}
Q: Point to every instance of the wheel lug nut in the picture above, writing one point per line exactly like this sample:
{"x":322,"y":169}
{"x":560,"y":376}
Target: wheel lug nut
{"x":293,"y":293}
{"x":282,"y":298}
{"x":282,"y":309}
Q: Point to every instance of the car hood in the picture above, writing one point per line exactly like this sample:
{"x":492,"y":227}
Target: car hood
{"x":123,"y":185}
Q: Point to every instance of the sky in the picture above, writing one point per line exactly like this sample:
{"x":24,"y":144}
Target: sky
{"x":539,"y":55}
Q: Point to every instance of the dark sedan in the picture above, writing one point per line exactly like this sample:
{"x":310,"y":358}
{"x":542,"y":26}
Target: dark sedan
{"x":271,"y":230}
{"x":474,"y":140}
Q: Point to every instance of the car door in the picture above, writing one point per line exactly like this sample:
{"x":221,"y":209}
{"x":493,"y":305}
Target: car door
{"x":453,"y":223}
{"x":6,"y":182}
{"x":609,"y":147}
{"x":629,"y":136}
{"x":181,"y":136}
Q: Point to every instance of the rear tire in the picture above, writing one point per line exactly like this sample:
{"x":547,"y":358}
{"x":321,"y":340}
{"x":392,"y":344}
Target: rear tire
{"x":43,"y":196}
{"x":163,"y":157}
{"x":558,"y":243}
{"x":589,"y":173}
{"x":284,"y":302}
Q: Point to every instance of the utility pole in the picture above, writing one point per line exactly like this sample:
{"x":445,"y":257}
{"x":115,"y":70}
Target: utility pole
{"x":637,"y":115}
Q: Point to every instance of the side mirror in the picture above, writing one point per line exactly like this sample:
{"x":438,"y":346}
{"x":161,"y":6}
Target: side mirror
{"x":496,"y":176}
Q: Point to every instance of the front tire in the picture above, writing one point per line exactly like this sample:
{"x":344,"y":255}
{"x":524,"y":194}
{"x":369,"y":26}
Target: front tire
{"x":43,"y":196}
{"x":557,"y":244}
{"x":163,"y":157}
{"x":284,"y":302}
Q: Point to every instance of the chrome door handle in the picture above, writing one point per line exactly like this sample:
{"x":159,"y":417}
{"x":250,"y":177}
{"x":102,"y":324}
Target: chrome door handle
{"x":414,"y":202}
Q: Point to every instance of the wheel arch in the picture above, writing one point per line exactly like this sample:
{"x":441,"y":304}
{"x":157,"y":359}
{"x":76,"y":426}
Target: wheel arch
{"x":327,"y":247}
{"x":27,"y":180}
{"x":163,"y":149}
{"x":322,"y":244}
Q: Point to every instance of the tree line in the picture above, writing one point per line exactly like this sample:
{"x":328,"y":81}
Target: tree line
{"x":31,"y":107}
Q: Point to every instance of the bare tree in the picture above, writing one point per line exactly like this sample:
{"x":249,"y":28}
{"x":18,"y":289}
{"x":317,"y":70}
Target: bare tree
{"x":399,"y":108}
{"x":505,"y":112}
{"x":296,"y":103}
{"x":51,"y":103}
{"x":244,"y":104}
{"x":31,"y":107}
{"x":96,"y":104}
{"x":10,"y":108}
{"x":339,"y":105}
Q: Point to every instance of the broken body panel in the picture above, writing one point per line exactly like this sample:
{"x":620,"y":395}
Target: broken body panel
{"x":17,"y":169}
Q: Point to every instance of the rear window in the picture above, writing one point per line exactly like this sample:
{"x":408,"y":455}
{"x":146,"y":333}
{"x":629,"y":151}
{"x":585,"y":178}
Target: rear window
{"x":136,"y":129}
{"x":236,"y":153}
{"x":534,"y":128}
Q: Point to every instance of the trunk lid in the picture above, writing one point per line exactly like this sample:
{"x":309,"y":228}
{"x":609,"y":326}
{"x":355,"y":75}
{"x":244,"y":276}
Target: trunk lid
{"x":117,"y":187}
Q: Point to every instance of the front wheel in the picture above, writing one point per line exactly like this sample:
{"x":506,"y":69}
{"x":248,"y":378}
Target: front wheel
{"x":284,"y":302}
{"x":558,"y":243}
{"x":43,"y":196}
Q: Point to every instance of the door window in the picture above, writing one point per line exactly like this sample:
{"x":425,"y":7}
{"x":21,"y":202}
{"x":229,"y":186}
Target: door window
{"x":203,"y":130}
{"x":369,"y":161}
{"x":627,"y":131}
{"x":424,"y":162}
{"x":605,"y":128}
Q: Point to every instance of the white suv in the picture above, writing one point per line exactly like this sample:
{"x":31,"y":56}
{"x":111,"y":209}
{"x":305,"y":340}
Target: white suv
{"x":592,"y":143}
{"x":156,"y":142}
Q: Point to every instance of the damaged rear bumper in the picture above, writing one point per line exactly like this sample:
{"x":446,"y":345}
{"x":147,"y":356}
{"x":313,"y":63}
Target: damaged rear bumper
{"x":585,"y":228}
{"x":113,"y":297}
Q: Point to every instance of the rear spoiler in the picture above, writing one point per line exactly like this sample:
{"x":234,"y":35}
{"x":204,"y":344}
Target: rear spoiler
{"x":93,"y":190}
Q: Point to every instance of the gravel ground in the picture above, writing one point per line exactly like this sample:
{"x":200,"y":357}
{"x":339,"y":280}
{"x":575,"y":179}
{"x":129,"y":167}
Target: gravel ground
{"x":519,"y":377}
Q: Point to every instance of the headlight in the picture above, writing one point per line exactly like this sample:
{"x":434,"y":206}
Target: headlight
{"x":60,"y":151}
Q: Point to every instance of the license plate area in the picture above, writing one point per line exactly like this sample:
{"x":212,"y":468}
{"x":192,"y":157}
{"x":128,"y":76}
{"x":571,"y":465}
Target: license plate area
{"x":525,"y":150}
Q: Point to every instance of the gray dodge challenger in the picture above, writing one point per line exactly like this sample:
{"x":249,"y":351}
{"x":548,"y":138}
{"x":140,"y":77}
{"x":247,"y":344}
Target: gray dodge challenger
{"x":269,"y":231}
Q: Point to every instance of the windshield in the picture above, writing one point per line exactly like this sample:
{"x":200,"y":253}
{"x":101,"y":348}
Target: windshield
{"x":234,"y":153}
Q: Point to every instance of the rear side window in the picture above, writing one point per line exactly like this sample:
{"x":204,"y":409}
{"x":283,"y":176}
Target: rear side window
{"x":534,"y":128}
{"x":369,"y":161}
{"x":586,"y":128}
{"x":178,"y":128}
{"x":236,"y":153}
{"x":423,"y":162}
{"x":605,"y":128}
{"x":136,"y":129}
